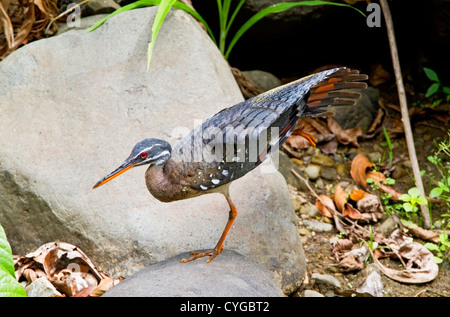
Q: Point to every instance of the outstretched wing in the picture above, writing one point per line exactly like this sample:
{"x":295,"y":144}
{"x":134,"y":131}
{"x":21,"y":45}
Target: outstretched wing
{"x":237,"y":139}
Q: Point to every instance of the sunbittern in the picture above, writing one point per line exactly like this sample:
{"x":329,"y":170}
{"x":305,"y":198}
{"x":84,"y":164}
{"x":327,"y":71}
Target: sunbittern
{"x":234,"y":141}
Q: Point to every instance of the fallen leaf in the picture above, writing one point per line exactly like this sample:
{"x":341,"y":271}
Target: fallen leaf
{"x":424,"y":234}
{"x":325,"y":208}
{"x":357,"y":194}
{"x":347,"y":210}
{"x":372,"y":285}
{"x":377,"y":121}
{"x":66,"y":266}
{"x":349,"y":136}
{"x":420,"y":266}
{"x":379,"y":75}
{"x":360,"y":165}
{"x":104,"y":286}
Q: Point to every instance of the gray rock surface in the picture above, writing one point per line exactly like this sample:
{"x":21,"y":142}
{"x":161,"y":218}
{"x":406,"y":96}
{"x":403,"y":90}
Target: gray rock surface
{"x":71,"y":109}
{"x":229,"y":275}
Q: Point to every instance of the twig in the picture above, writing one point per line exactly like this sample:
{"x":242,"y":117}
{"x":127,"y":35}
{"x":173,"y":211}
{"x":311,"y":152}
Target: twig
{"x":336,"y":214}
{"x":77,"y":5}
{"x":404,"y":110}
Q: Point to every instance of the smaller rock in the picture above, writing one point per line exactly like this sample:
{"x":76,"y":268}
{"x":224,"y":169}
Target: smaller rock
{"x":263,"y":80}
{"x":230,"y":274}
{"x":42,"y":287}
{"x":311,"y":293}
{"x":341,"y":169}
{"x":326,"y":279}
{"x":304,"y":232}
{"x":296,"y":204}
{"x":375,"y":156}
{"x":387,"y":227}
{"x":322,"y":159}
{"x":318,"y":226}
{"x":312,"y":171}
{"x":329,"y":173}
{"x":94,"y":7}
{"x":310,"y":210}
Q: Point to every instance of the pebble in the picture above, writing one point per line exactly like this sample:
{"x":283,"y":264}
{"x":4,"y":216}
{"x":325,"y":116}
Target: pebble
{"x":310,"y":210}
{"x":341,"y":169}
{"x":304,"y":232}
{"x":329,"y":173}
{"x":312,"y":171}
{"x":375,"y":157}
{"x":311,"y":293}
{"x":322,"y":159}
{"x":318,"y":226}
{"x":42,"y":287}
{"x":326,"y":279}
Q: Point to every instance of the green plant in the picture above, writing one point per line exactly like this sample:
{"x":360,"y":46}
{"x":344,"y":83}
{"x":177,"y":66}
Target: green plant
{"x":442,"y":246}
{"x":389,"y":145}
{"x":9,"y":287}
{"x":225,"y":20}
{"x":442,"y":190}
{"x":436,"y":85}
{"x":411,"y":201}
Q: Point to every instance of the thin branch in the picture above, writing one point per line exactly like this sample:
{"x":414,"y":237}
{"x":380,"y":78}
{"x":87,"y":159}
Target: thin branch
{"x":337,"y":216}
{"x":404,"y":110}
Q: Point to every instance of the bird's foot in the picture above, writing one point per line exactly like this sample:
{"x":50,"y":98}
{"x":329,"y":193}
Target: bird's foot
{"x":200,"y":254}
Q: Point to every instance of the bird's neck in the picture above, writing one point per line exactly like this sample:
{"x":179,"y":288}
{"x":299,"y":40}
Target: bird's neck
{"x":164,"y":183}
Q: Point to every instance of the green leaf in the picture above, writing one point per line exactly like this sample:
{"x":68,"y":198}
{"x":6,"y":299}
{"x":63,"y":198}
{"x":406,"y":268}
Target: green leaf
{"x":163,"y":9}
{"x":431,"y":74}
{"x":431,"y":246}
{"x":408,"y":207}
{"x":432,"y":89}
{"x":414,"y":192}
{"x":128,"y":7}
{"x":404,"y":197}
{"x":9,"y":287}
{"x":435,"y":192}
{"x":278,"y":7}
{"x":6,"y":261}
{"x":446,"y":90}
{"x":437,"y":260}
{"x":422,"y":201}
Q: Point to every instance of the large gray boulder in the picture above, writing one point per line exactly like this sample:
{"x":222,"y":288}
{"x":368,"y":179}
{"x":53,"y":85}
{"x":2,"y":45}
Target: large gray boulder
{"x":230,"y":275}
{"x":71,"y":109}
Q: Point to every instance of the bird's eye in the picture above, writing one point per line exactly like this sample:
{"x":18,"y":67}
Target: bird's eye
{"x":143,"y":155}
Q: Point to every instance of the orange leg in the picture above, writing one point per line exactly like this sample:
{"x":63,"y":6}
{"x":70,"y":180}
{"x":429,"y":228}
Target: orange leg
{"x":218,"y":248}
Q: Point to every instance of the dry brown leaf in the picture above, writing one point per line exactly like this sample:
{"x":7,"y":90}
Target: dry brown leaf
{"x":424,"y":234}
{"x":325,"y":208}
{"x":420,"y":267}
{"x":7,"y":25}
{"x":104,"y":286}
{"x":347,"y":210}
{"x":28,"y":21}
{"x":349,"y":136}
{"x":65,"y":266}
{"x":358,"y":169}
{"x":378,"y":75}
{"x":377,"y":121}
{"x":358,"y":194}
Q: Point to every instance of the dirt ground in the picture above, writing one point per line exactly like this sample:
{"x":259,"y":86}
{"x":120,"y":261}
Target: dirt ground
{"x":318,"y":248}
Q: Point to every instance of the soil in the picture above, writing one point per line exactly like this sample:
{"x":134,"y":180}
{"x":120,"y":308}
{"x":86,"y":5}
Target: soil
{"x":317,"y":246}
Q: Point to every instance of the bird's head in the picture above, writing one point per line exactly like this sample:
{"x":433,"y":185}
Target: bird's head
{"x":148,"y":151}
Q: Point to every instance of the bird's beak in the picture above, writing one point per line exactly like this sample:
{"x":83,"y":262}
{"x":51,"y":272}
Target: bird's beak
{"x":121,"y":169}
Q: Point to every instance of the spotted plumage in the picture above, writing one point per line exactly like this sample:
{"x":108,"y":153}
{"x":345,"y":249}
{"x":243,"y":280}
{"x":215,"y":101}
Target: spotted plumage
{"x":236,"y":140}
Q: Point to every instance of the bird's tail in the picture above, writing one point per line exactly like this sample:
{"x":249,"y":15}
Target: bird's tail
{"x":333,"y":91}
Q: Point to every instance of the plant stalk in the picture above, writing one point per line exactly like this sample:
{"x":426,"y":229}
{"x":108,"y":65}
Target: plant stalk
{"x":404,"y":110}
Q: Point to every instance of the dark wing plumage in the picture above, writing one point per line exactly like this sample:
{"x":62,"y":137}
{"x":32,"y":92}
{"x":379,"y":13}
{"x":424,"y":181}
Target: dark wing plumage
{"x":237,"y":139}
